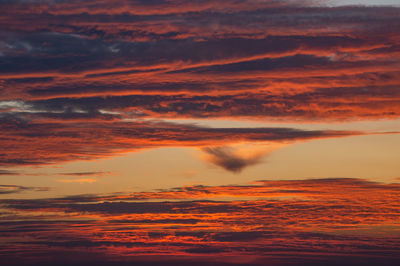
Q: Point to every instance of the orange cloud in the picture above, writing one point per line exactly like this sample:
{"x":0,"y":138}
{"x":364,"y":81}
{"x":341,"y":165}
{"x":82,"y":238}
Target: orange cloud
{"x":30,"y":143}
{"x":80,"y":80}
{"x":80,"y":180}
{"x":302,"y":219}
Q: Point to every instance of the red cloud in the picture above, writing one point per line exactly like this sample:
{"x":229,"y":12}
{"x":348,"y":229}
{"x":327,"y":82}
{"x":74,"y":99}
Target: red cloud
{"x":300,"y":219}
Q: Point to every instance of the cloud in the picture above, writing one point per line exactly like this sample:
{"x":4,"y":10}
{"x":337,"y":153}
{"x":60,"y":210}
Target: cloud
{"x":80,"y":180}
{"x":234,"y":159}
{"x":84,"y":73}
{"x":319,"y":190}
{"x":86,"y":173}
{"x":82,"y":174}
{"x":11,"y":189}
{"x":307,"y":62}
{"x":7,"y":172}
{"x":344,"y":217}
{"x":81,"y":80}
{"x":44,"y":142}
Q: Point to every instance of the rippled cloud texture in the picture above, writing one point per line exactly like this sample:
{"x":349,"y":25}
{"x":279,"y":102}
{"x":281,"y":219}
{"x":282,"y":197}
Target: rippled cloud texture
{"x":84,"y":80}
{"x":267,"y":223}
{"x":80,"y":70}
{"x":266,"y":59}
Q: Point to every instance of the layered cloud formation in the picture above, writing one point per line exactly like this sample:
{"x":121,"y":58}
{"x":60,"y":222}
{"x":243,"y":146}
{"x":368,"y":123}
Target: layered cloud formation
{"x":85,"y":79}
{"x":269,"y":59}
{"x":79,"y":72}
{"x":284,"y":222}
{"x":32,"y":143}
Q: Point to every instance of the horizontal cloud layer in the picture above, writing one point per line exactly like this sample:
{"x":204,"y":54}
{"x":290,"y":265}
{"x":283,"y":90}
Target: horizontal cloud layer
{"x":83,"y":79}
{"x":297,"y":220}
{"x":76,"y":75}
{"x":11,"y":189}
{"x":49,"y":141}
{"x":264,"y":59}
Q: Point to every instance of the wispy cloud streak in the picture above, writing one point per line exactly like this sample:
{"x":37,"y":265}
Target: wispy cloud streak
{"x":104,"y":63}
{"x":203,"y":59}
{"x":32,"y":143}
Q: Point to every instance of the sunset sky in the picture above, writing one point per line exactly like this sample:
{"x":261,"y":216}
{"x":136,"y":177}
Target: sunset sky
{"x":200,"y":132}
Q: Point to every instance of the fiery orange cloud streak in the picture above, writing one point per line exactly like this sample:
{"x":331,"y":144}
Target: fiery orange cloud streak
{"x":49,"y":142}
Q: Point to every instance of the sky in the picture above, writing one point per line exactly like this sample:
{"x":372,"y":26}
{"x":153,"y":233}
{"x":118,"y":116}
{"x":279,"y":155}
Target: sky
{"x":207,"y":132}
{"x":364,"y":2}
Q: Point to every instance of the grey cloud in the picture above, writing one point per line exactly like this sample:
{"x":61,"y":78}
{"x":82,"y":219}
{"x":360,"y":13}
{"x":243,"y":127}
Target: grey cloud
{"x":230,"y":160}
{"x":11,"y":189}
{"x":86,"y":173}
{"x":7,"y":172}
